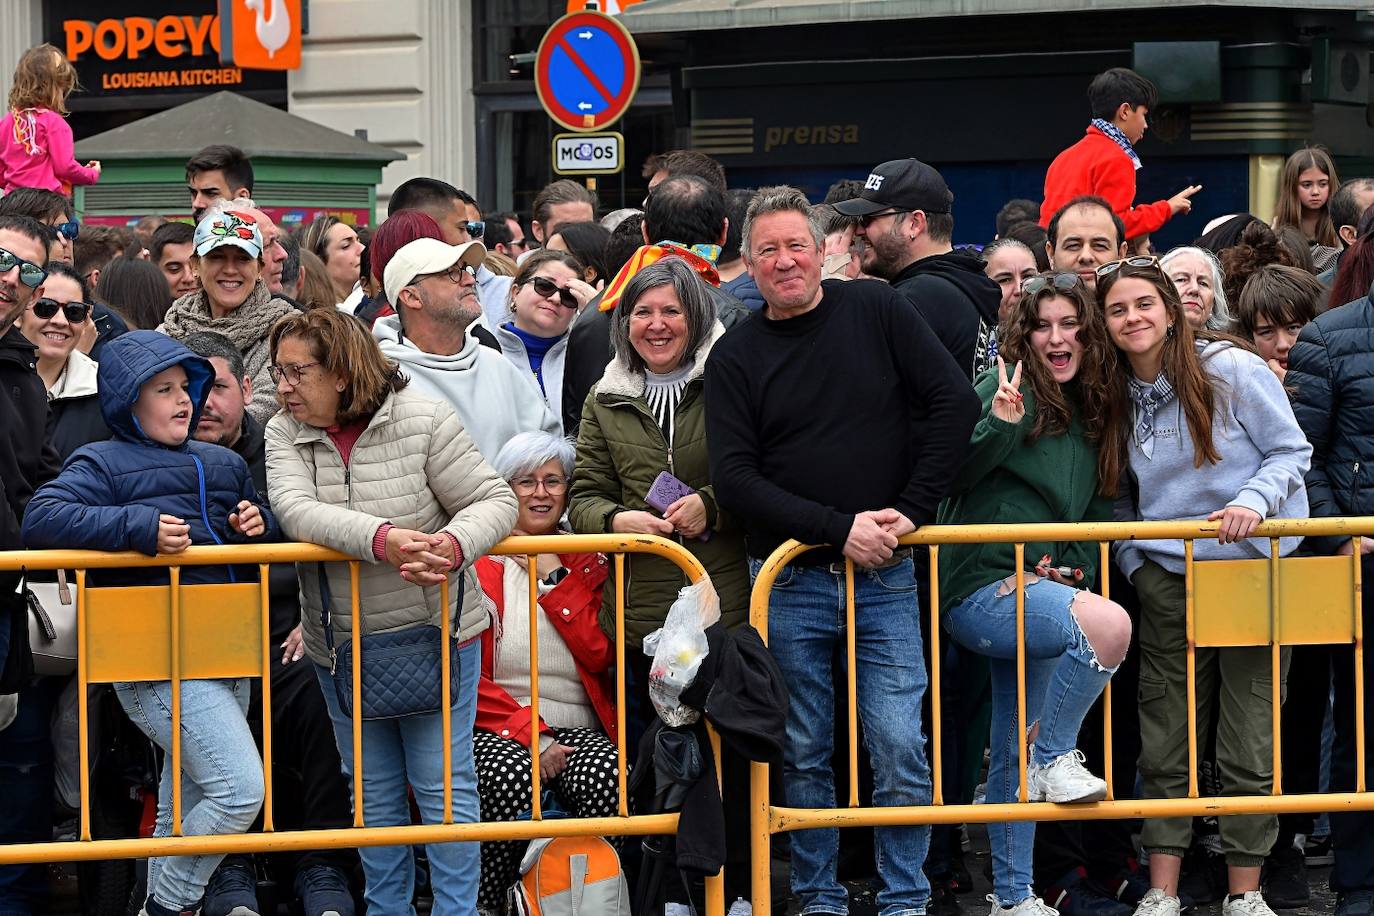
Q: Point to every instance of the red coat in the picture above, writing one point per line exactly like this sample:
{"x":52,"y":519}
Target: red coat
{"x":572,"y":605}
{"x":1096,"y":165}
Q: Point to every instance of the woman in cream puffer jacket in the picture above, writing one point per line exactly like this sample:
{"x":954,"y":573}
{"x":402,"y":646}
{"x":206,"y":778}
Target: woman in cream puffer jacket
{"x":361,"y":465}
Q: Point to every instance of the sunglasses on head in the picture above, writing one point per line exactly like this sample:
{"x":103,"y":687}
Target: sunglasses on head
{"x":546,"y":288}
{"x":68,"y":230}
{"x":1136,"y":261}
{"x":476,"y":227}
{"x":76,"y":312}
{"x":30,"y":274}
{"x":1062,"y":281}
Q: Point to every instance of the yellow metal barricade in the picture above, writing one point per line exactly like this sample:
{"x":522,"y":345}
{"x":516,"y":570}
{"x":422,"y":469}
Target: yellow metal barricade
{"x":1264,"y":602}
{"x":182,"y":632}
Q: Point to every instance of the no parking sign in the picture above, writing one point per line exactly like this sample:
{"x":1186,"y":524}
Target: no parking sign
{"x":586,"y":71}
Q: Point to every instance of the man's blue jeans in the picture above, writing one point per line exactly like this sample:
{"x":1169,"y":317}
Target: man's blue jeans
{"x":221,"y":774}
{"x":410,"y":751}
{"x":1063,"y":680}
{"x":806,"y":626}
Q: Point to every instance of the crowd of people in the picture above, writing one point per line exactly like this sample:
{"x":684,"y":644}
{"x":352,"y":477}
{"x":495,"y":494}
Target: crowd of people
{"x":836,"y":372}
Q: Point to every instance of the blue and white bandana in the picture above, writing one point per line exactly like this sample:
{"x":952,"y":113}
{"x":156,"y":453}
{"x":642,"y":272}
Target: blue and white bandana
{"x":1111,"y":130}
{"x":1148,"y":399}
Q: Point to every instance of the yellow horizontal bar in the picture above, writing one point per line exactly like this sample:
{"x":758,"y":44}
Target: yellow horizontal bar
{"x":255,"y":554}
{"x":785,"y":819}
{"x":343,"y":838}
{"x":1131,"y":531}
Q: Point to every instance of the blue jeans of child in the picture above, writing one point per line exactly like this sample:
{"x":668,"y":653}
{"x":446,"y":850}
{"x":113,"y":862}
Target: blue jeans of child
{"x":222,"y":782}
{"x":410,"y":751}
{"x":806,"y":624}
{"x":1063,"y":679}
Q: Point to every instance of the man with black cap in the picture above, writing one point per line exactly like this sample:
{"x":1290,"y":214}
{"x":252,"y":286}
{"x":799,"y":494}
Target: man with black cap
{"x":906,"y":226}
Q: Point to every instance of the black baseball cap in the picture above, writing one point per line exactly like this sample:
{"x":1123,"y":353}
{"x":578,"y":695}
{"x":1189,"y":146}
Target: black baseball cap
{"x":902,"y":184}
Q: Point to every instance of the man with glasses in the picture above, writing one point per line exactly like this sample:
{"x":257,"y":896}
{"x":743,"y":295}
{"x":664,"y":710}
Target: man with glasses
{"x":906,"y":226}
{"x":461,"y":221}
{"x":433,"y":288}
{"x":27,"y":460}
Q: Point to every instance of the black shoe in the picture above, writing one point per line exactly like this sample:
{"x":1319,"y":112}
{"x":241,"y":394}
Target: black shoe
{"x":324,"y":892}
{"x":1075,"y":895}
{"x":232,"y":891}
{"x":1317,"y":851}
{"x":959,"y":878}
{"x":1203,"y":877}
{"x":943,"y":901}
{"x":1355,"y":903}
{"x":1132,"y":883}
{"x":1285,"y":880}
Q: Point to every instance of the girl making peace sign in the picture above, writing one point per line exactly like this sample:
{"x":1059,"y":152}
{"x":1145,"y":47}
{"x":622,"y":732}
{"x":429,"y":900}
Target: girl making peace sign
{"x":1033,"y":458}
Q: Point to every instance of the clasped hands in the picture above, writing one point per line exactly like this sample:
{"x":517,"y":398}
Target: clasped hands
{"x":423,"y":559}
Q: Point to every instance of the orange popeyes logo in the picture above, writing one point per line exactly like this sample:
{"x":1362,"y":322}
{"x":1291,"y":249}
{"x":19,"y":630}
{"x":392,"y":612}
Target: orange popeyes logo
{"x":266,"y":34}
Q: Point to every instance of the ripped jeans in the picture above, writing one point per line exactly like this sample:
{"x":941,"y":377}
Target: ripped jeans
{"x":1063,"y":679}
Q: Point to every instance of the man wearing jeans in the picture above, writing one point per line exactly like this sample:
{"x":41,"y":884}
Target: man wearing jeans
{"x":836,"y":417}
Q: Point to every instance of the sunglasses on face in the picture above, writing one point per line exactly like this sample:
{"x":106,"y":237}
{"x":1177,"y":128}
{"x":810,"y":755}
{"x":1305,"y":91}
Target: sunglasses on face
{"x":546,"y":288}
{"x":76,"y":312}
{"x":475,"y":228}
{"x":1060,"y":281}
{"x":30,"y":274}
{"x":1137,"y":261}
{"x":68,"y":230}
{"x":867,"y":220}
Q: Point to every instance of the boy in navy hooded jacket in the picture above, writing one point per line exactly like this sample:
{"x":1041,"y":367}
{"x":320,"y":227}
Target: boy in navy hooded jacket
{"x":155,"y":489}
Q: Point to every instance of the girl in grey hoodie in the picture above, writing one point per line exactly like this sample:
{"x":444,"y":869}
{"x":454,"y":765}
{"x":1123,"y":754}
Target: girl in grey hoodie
{"x":1206,"y":432}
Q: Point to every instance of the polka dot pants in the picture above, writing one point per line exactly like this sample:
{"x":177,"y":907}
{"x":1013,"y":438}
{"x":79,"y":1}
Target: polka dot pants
{"x":585,"y":788}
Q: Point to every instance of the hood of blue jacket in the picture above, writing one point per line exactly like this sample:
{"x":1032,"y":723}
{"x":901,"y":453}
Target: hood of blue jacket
{"x":130,"y":360}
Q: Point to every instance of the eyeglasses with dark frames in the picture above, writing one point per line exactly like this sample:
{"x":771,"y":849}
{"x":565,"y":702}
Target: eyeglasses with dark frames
{"x":292,"y":374}
{"x":30,"y":274}
{"x":546,"y":288}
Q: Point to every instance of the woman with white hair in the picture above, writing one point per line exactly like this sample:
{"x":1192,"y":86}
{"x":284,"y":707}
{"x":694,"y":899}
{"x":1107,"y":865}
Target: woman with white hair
{"x":1197,"y":274}
{"x":577,"y":753}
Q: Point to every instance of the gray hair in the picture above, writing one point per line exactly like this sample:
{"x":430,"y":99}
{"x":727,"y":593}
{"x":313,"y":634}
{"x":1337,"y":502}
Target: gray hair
{"x":697,"y":305}
{"x":525,"y":453}
{"x":616,"y":217}
{"x":778,"y":199}
{"x":1221,"y":318}
{"x":1006,"y":241}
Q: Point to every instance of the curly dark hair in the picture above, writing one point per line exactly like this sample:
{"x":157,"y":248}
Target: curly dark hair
{"x":1258,"y":246}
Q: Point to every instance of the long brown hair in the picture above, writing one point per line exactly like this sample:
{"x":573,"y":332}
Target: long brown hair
{"x":43,"y":79}
{"x":1290,"y":208}
{"x":1096,"y":376}
{"x":1182,"y":366}
{"x":344,"y":348}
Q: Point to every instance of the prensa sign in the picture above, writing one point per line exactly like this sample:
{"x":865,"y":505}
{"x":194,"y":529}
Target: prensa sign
{"x":155,"y":53}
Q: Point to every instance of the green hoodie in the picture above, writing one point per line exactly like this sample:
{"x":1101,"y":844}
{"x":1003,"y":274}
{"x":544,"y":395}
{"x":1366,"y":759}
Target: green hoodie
{"x":1005,"y":480}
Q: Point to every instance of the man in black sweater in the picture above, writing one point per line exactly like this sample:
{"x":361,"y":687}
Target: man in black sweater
{"x":905,"y":221}
{"x":811,"y":415}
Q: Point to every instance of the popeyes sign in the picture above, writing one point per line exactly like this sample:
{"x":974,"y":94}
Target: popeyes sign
{"x":156,"y":54}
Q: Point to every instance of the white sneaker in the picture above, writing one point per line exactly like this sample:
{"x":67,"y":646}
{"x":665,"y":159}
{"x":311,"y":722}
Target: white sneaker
{"x":1064,"y":780}
{"x":676,"y":909}
{"x":1157,"y":903}
{"x":1031,"y":906}
{"x":1252,"y":904}
{"x":741,"y":907}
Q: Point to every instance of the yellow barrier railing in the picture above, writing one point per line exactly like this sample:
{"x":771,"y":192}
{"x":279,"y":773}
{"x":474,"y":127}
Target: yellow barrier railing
{"x":220,"y":631}
{"x":1299,"y":600}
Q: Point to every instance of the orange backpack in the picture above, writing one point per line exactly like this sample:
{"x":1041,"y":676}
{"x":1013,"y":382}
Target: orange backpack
{"x":571,"y":876}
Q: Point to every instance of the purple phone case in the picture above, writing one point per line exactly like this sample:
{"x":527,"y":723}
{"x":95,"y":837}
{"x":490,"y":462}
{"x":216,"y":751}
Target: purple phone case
{"x":667,"y":490}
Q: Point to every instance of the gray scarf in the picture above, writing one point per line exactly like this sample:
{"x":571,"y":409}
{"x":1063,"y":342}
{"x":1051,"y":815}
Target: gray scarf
{"x":244,"y":326}
{"x":1147,"y":399}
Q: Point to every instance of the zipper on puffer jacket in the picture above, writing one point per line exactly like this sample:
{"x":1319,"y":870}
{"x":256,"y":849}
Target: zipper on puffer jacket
{"x":205,"y":511}
{"x":1354,"y":488}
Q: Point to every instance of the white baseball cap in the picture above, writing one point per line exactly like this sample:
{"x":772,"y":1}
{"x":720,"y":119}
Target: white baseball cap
{"x":427,"y":256}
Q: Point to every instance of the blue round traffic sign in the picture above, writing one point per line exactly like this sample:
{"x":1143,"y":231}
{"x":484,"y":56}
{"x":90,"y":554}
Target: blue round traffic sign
{"x":586,"y":71}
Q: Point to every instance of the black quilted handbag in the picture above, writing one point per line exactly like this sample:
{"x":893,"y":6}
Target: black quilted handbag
{"x":401,"y":674}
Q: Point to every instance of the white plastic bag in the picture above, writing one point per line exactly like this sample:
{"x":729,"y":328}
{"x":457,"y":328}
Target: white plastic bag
{"x":678,"y":648}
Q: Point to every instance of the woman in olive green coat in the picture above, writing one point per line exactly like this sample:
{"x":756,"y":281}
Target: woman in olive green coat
{"x":647,"y":415}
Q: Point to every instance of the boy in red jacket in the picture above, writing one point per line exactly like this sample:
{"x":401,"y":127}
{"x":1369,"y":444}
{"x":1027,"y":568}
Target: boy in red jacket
{"x":1104,"y":162}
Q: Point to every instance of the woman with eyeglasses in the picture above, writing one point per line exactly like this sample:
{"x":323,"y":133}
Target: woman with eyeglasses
{"x":360,"y":463}
{"x":545,"y":297}
{"x":55,"y":324}
{"x":1034,"y":458}
{"x":233,"y":298}
{"x":577,"y":753}
{"x":1198,"y":428}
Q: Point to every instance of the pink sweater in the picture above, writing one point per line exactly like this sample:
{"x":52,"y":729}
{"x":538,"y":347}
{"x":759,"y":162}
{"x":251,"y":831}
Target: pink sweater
{"x":36,"y":152}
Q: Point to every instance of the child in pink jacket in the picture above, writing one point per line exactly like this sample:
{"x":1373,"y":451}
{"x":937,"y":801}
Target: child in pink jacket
{"x":35,"y":141}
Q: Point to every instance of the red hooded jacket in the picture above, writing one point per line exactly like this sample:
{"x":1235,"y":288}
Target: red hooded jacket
{"x":572,"y":605}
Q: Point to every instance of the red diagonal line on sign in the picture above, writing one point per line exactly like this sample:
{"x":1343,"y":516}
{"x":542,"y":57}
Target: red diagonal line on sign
{"x":587,"y":71}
